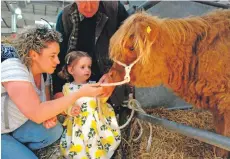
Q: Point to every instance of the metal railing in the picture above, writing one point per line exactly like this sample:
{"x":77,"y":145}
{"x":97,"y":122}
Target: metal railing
{"x":149,"y":4}
{"x":214,"y":4}
{"x":199,"y":134}
{"x":144,"y":6}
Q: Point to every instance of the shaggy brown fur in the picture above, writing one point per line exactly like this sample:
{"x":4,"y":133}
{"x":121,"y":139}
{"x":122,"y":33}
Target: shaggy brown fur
{"x":190,"y":55}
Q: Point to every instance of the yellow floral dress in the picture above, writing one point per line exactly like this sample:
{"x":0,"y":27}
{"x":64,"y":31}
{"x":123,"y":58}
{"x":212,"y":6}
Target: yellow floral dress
{"x":94,"y":133}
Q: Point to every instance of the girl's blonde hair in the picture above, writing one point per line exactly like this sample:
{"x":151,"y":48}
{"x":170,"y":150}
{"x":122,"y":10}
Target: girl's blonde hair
{"x":69,"y":58}
{"x":34,"y":38}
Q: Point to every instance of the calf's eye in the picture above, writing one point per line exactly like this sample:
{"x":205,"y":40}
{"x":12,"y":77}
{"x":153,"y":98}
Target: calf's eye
{"x":131,"y":48}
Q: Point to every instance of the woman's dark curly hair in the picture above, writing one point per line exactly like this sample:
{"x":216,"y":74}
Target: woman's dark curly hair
{"x":35,"y":38}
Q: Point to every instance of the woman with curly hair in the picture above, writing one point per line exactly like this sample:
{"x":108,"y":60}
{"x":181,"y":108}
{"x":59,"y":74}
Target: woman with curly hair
{"x":28,"y":115}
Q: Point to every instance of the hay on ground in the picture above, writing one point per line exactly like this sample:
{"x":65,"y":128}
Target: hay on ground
{"x":171,"y":145}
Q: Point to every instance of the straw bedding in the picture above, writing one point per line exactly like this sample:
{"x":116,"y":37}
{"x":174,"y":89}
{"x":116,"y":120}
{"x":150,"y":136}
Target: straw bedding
{"x":165,"y":144}
{"x":170,"y":145}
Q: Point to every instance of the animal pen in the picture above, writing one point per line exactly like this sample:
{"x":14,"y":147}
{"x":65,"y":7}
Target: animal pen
{"x":167,"y":119}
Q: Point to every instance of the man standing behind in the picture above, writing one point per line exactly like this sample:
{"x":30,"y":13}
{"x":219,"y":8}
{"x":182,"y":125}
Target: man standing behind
{"x":88,"y":26}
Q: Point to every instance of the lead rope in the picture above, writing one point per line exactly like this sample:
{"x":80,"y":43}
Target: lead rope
{"x":133,"y":104}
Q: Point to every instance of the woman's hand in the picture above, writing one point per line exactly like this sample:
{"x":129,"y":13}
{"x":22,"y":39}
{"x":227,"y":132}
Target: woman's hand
{"x":75,"y":111}
{"x":91,"y":90}
{"x":50,"y":123}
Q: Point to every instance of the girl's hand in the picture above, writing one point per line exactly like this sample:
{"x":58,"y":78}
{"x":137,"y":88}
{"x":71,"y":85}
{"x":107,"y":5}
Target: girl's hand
{"x":50,"y":123}
{"x":91,"y":90}
{"x":75,"y":111}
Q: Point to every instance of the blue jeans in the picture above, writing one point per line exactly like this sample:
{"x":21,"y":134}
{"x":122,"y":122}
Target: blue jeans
{"x":30,"y":136}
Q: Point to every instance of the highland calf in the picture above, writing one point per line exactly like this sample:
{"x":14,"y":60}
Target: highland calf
{"x":189,"y":55}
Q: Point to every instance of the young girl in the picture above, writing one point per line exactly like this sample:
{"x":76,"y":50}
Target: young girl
{"x":94,"y":132}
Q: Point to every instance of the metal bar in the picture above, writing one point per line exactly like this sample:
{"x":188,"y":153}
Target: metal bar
{"x":10,"y":7}
{"x":5,"y":23}
{"x":45,"y":9}
{"x":215,"y":4}
{"x":33,"y":9}
{"x":27,"y":16}
{"x":180,"y":107}
{"x":146,"y":5}
{"x":202,"y":135}
{"x":25,"y":22}
{"x":47,"y":22}
{"x":51,"y":3}
{"x":7,"y":5}
{"x":14,"y":23}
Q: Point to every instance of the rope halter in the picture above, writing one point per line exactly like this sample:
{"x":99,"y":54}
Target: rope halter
{"x":127,"y":73}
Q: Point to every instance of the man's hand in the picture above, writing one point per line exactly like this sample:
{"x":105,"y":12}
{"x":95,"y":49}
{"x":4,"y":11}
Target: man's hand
{"x":58,"y":95}
{"x":106,"y":78}
{"x":50,"y":123}
{"x":75,"y":111}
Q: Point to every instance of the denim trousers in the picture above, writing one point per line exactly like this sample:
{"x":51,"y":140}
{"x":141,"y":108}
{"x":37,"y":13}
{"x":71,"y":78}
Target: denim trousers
{"x":30,"y":136}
